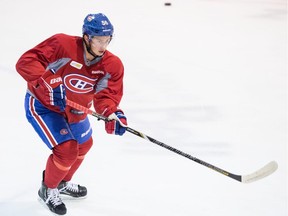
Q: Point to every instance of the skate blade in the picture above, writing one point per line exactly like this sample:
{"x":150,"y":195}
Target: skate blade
{"x":42,"y":202}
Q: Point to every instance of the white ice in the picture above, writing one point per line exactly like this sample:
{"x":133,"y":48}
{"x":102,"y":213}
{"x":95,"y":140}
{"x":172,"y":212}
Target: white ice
{"x":206,"y":77}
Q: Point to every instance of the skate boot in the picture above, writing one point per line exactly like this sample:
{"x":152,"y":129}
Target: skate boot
{"x":72,"y":190}
{"x":52,"y":199}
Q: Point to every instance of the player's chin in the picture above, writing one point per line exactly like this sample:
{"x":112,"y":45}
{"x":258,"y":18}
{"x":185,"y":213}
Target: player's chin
{"x":100,"y":53}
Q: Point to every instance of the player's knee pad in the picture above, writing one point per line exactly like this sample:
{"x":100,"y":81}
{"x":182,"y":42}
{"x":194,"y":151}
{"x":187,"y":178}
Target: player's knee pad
{"x":66,"y":153}
{"x":85,"y":147}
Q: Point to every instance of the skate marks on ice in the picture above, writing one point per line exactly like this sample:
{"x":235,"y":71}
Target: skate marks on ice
{"x":183,"y":112}
{"x":23,"y":202}
{"x":23,"y":208}
{"x":74,"y":208}
{"x":189,"y":127}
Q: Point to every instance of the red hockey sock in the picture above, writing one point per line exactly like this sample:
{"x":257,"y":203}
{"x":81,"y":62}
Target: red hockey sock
{"x":59,"y":163}
{"x":83,"y":149}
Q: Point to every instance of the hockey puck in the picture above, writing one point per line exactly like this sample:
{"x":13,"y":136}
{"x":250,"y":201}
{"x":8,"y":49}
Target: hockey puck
{"x":167,"y":3}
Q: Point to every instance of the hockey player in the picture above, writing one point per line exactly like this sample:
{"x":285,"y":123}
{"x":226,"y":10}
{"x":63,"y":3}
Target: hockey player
{"x":82,"y":70}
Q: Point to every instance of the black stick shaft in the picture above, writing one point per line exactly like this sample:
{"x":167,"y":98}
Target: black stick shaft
{"x":217,"y":169}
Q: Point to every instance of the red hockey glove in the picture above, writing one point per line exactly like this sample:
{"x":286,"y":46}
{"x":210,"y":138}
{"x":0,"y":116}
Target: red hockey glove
{"x":114,"y":126}
{"x":51,"y":91}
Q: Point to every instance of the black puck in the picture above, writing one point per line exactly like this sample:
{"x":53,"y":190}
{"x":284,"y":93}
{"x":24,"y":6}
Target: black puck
{"x":167,"y":3}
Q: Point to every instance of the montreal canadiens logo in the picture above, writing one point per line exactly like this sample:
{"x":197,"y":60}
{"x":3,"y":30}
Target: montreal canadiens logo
{"x":79,"y":84}
{"x":63,"y":131}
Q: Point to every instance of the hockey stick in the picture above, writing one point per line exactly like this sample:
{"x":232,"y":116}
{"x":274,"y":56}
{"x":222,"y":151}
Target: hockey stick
{"x":257,"y":175}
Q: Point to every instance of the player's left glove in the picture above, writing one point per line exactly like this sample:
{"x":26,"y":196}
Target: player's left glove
{"x":114,"y":126}
{"x":51,"y":91}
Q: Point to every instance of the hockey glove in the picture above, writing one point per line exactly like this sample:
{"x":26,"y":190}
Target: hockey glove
{"x":114,"y":126}
{"x":52,"y":91}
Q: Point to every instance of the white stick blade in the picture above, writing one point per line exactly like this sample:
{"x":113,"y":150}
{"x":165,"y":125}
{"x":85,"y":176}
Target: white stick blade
{"x":267,"y":170}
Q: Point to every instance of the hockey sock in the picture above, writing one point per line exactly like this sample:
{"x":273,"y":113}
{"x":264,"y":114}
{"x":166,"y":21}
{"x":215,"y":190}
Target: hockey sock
{"x":59,"y":163}
{"x":83,"y":149}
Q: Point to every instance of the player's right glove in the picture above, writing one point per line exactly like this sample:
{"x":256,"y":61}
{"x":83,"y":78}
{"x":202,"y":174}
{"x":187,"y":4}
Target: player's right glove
{"x":117,"y":124}
{"x":51,"y":91}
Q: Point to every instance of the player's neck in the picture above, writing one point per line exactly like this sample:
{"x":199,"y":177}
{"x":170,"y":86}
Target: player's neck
{"x":89,"y":56}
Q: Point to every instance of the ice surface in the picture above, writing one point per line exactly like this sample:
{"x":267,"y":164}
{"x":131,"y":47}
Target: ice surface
{"x":206,"y":77}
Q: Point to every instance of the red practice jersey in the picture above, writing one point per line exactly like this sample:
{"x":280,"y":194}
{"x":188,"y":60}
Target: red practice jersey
{"x":99,"y":82}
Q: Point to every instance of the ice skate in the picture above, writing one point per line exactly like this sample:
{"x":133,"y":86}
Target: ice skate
{"x":72,"y":190}
{"x":52,"y":199}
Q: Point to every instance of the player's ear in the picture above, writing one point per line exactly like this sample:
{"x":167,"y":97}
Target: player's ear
{"x":86,"y":38}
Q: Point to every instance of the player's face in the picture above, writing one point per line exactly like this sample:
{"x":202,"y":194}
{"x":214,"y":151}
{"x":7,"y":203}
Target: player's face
{"x":99,"y":44}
